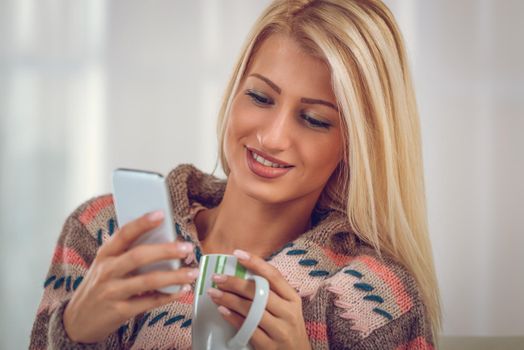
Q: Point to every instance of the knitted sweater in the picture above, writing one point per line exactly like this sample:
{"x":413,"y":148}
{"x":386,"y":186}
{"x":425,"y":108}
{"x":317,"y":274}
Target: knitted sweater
{"x":352,"y":298}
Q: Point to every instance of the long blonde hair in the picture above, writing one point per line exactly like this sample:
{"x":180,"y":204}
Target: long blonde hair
{"x":380,"y":182}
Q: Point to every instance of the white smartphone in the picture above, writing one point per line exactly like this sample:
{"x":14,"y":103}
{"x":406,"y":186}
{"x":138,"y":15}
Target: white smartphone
{"x":135,"y":193}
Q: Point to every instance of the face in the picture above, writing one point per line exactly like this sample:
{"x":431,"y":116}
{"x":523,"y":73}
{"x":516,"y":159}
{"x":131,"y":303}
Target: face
{"x":283,"y":138}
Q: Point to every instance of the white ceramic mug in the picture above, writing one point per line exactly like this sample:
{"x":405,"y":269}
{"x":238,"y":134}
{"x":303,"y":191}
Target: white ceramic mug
{"x":209,"y":329}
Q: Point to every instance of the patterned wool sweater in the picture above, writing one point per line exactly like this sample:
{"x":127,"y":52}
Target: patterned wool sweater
{"x":352,"y":298}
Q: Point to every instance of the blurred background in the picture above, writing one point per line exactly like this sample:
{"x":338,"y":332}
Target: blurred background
{"x":90,"y":85}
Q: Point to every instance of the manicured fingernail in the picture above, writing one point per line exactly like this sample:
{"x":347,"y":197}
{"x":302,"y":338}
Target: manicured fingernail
{"x":193,"y":273}
{"x":185,"y":288}
{"x":224,"y":310}
{"x":242,"y":255}
{"x":219,"y":278}
{"x":214,"y":293}
{"x":155,"y":215}
{"x":184,"y":247}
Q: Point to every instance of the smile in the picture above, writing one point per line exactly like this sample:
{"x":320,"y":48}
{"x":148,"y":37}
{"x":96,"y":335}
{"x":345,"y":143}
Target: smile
{"x":266,"y":162}
{"x":264,"y":167}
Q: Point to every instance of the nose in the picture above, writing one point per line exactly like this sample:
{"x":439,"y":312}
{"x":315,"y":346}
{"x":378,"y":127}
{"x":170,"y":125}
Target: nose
{"x":276,"y":134}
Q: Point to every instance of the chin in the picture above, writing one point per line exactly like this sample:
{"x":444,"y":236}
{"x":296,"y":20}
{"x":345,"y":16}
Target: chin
{"x":274,"y":193}
{"x":268,"y":193}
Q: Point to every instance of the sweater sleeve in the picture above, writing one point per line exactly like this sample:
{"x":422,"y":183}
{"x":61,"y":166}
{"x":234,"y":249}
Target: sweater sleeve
{"x":74,"y":253}
{"x":368,"y":304}
{"x":410,"y":331}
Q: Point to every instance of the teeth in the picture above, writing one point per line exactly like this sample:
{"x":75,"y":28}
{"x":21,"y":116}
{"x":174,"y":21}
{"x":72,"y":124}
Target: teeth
{"x":266,"y":162}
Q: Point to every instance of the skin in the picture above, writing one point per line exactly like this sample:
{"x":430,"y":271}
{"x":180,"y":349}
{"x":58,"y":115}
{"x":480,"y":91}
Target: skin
{"x":273,"y":112}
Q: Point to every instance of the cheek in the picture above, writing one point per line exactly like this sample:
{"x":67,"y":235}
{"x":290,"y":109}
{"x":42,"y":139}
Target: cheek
{"x":240,"y":125}
{"x":244,"y":120}
{"x":323,"y":156}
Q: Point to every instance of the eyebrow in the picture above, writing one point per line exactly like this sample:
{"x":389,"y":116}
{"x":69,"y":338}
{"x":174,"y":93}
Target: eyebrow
{"x":267,"y":81}
{"x":320,"y":102}
{"x":278,"y":90}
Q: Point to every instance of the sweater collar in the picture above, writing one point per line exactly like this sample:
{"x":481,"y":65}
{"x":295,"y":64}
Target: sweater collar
{"x":188,"y":185}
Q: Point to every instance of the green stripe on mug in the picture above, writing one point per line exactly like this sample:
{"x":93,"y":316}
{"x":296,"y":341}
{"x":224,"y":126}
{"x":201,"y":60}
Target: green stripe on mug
{"x":240,"y":271}
{"x":220,"y":265}
{"x":208,"y":326}
{"x":202,"y":280}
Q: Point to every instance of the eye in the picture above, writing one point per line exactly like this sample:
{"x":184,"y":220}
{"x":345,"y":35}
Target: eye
{"x":259,"y":98}
{"x":315,"y":123}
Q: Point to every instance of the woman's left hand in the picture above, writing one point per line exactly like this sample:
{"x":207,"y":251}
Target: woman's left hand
{"x":282,"y":325}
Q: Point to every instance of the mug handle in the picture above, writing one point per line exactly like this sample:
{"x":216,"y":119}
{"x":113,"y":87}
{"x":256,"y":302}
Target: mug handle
{"x":258,"y":306}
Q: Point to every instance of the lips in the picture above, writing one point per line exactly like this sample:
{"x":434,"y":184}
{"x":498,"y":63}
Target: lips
{"x":268,"y":157}
{"x":262,"y":170}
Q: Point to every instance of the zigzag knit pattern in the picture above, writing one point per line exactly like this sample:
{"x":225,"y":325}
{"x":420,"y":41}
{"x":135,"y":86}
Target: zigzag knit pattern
{"x":351,"y":297}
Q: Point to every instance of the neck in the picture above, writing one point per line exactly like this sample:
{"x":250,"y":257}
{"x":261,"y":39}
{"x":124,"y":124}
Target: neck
{"x":243,"y":222}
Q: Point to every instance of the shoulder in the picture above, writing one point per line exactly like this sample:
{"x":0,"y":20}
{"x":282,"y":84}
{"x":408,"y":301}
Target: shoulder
{"x":377,"y":299}
{"x":96,"y":216}
{"x":82,"y":234}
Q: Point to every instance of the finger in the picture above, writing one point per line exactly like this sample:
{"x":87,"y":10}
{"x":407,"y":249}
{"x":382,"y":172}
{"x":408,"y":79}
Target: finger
{"x":232,"y":301}
{"x":125,"y":236}
{"x":151,"y":281}
{"x":262,"y":268}
{"x":147,"y":254}
{"x":246,"y":289}
{"x":269,"y":323}
{"x":142,"y":303}
{"x":259,"y":339}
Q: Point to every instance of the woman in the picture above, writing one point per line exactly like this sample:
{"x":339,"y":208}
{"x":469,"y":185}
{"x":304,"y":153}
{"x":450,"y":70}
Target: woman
{"x":320,"y":140}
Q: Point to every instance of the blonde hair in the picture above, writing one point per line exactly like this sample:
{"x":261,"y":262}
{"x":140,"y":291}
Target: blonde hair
{"x":380,"y":182}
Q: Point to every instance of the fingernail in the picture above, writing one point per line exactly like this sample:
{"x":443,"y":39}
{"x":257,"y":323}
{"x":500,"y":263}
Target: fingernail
{"x":219,"y":278}
{"x":155,"y":215}
{"x":184,"y":247}
{"x":242,"y":255}
{"x":224,"y":310}
{"x":185,"y":288}
{"x":193,"y":273}
{"x":214,"y":293}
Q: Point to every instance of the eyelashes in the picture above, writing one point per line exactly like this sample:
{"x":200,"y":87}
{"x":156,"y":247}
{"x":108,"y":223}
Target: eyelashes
{"x":259,"y":99}
{"x":315,"y":122}
{"x":264,"y":101}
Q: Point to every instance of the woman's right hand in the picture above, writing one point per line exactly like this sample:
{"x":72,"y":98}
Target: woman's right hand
{"x":109,"y":295}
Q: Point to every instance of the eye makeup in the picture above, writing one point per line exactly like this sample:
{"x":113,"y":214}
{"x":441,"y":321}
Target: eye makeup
{"x":315,"y":122}
{"x":263,"y":101}
{"x":259,"y":98}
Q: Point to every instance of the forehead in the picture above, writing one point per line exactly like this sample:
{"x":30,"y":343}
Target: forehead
{"x":281,"y":59}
